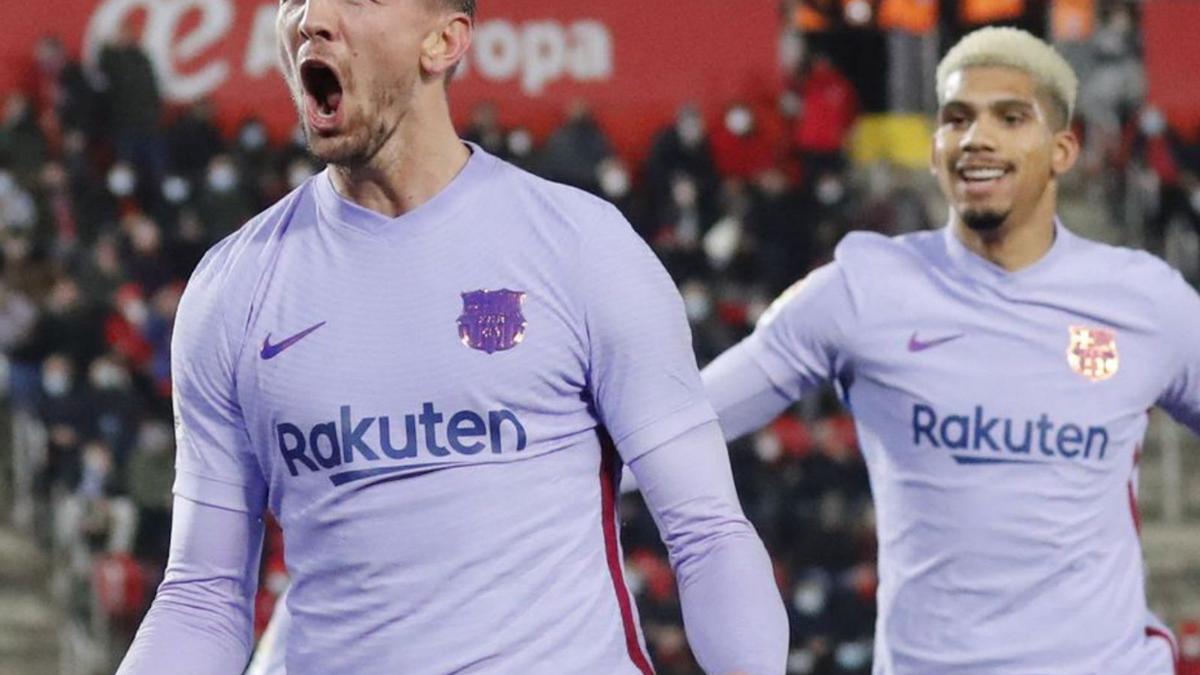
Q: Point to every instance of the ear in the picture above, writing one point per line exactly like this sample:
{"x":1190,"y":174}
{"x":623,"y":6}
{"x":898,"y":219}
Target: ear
{"x":446,"y":45}
{"x":1065,"y":152}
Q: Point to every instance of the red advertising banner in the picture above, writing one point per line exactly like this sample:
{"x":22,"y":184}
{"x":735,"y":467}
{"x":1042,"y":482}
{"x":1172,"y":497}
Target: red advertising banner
{"x":1173,"y":60}
{"x":636,"y":62}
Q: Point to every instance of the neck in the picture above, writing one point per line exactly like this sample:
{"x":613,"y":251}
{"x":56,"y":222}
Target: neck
{"x":1019,"y":242}
{"x":420,"y":158}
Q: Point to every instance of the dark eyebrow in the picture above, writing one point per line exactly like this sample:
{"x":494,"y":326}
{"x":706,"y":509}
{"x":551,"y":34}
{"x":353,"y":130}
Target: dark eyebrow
{"x":1002,"y":105}
{"x":1012,"y":104}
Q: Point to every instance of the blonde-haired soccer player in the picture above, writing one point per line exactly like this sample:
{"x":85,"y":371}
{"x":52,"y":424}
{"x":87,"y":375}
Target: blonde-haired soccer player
{"x":999,"y":371}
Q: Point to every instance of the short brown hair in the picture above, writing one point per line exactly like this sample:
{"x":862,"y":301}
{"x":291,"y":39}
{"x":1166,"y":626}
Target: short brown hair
{"x":465,"y":6}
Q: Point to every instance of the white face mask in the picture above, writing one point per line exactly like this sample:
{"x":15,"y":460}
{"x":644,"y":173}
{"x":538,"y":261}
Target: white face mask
{"x":809,"y":599}
{"x":176,"y":189}
{"x":253,"y":137}
{"x":830,"y":191}
{"x":614,"y":181}
{"x":684,"y":193}
{"x":56,"y":383}
{"x":697,"y":305}
{"x":222,"y":178}
{"x":299,"y":172}
{"x":135,"y":312}
{"x":739,"y":121}
{"x":1189,"y":646}
{"x":691,"y":130}
{"x":520,"y":143}
{"x":1152,"y":122}
{"x":108,"y":376}
{"x":121,"y":180}
{"x":852,"y":656}
{"x":767,"y":447}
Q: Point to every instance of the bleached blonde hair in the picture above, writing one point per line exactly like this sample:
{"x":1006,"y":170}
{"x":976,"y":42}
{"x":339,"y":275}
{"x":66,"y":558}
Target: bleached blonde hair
{"x":1014,"y":48}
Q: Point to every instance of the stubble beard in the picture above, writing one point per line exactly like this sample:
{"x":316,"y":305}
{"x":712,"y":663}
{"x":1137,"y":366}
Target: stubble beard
{"x":357,"y":145}
{"x":984,"y":220}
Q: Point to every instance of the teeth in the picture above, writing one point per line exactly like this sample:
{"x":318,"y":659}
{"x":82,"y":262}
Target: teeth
{"x":982,"y":174}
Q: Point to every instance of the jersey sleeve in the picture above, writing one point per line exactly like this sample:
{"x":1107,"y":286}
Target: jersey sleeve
{"x":214,"y":463}
{"x":800,"y":341}
{"x":1181,"y":398}
{"x":642,"y":371}
{"x":202,"y":619}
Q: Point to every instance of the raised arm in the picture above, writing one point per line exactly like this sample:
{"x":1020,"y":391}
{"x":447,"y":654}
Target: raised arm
{"x":798,"y":346}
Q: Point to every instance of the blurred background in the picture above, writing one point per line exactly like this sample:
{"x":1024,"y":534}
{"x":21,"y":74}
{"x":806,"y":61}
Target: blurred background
{"x":742,"y":140}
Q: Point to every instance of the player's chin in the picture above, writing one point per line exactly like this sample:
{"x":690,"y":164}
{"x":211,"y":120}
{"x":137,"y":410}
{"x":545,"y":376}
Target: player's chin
{"x":339,"y":148}
{"x":983,"y":219}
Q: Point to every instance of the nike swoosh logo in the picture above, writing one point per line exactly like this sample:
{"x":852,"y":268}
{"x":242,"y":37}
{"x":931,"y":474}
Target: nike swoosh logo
{"x":917,"y":345}
{"x":270,"y":351}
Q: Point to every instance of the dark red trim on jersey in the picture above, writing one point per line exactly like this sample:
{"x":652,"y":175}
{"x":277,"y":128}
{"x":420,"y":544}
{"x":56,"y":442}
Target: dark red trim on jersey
{"x":1133,"y":505}
{"x":609,"y":470}
{"x":1154,"y":631}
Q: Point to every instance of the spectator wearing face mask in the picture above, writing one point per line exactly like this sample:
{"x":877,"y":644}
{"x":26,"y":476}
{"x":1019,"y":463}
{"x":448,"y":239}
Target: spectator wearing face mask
{"x":18,"y":316}
{"x":150,"y":474}
{"x":744,"y":146}
{"x":616,"y":186}
{"x":69,"y":326}
{"x":828,"y":110}
{"x":64,"y":412}
{"x":1165,"y":162}
{"x":682,"y":149}
{"x":113,"y":404}
{"x":485,"y":130}
{"x":573,"y":153}
{"x":146,"y":264}
{"x":23,"y":146}
{"x":134,"y":102}
{"x":221,"y":203}
{"x":125,"y":325}
{"x":193,"y":140}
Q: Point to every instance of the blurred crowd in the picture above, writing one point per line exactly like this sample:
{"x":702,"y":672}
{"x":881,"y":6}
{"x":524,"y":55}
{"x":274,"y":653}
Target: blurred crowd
{"x":109,"y":197}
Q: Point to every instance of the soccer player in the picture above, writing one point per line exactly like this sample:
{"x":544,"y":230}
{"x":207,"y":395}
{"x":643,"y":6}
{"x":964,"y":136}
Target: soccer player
{"x":417,"y":361}
{"x":1000,"y":371}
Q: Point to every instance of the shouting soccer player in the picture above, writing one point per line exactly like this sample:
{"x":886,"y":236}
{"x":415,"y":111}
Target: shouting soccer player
{"x":1000,"y":372}
{"x":416,"y":360}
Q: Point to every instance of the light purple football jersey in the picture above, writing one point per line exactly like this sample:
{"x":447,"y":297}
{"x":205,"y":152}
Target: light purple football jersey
{"x":1001,"y":416}
{"x":419,"y":401}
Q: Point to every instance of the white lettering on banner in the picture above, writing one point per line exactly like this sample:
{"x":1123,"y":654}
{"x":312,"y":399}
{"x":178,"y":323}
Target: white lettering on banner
{"x":535,"y":54}
{"x":163,"y":45}
{"x":541,"y":52}
{"x":262,"y":53}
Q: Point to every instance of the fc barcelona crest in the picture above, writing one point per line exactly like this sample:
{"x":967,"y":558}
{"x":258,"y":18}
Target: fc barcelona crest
{"x":1093,"y":353}
{"x":491,"y":321}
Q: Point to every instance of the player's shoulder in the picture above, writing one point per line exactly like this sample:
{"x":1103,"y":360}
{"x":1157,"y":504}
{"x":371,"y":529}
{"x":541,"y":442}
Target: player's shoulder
{"x":869,"y":257}
{"x":567,"y":210}
{"x":221,"y":287}
{"x":1122,"y":272}
{"x":1133,"y":264}
{"x":238,"y":255}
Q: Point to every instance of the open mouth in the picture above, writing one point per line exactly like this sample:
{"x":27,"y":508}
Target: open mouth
{"x":321,"y":83}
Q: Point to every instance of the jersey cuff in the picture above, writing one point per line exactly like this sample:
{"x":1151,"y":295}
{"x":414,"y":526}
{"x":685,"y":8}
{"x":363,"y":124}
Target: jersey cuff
{"x":643,"y":440}
{"x":224,"y":494}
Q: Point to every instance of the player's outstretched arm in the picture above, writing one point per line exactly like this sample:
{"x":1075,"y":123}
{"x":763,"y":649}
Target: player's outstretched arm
{"x":201,"y":622}
{"x":799,"y":345}
{"x":741,"y":393}
{"x":732,"y":611}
